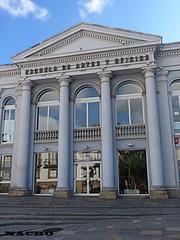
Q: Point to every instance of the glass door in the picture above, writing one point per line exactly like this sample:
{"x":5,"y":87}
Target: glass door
{"x":132,"y":172}
{"x":87,"y":178}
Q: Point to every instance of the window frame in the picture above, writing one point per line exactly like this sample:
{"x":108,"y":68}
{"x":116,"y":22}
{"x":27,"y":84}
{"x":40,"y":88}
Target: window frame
{"x":87,"y":101}
{"x":45,"y":104}
{"x":128,"y":97}
{"x":10,"y":108}
{"x":176,"y":94}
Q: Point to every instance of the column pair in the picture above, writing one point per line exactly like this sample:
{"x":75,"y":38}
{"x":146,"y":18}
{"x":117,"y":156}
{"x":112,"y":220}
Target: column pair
{"x":19,"y":182}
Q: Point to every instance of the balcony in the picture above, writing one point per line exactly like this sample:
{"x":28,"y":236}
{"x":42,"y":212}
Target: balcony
{"x":46,"y":136}
{"x":83,"y":134}
{"x":131,"y":131}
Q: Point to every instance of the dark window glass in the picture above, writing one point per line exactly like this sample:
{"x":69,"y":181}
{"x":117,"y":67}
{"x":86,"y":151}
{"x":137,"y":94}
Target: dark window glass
{"x":136,"y":111}
{"x":87,"y":93}
{"x":80,"y":114}
{"x":42,"y":117}
{"x":49,"y":96}
{"x":129,"y":89}
{"x":53,"y":117}
{"x":93,"y":114}
{"x":122,"y":112}
{"x":9,"y":101}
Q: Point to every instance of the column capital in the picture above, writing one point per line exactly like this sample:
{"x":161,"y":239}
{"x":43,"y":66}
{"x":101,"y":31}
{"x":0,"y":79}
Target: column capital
{"x":25,"y":85}
{"x":149,"y":71}
{"x":105,"y":76}
{"x":64,"y":80}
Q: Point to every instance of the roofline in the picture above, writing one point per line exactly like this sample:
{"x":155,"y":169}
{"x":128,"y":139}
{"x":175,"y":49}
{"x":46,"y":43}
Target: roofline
{"x":87,"y":24}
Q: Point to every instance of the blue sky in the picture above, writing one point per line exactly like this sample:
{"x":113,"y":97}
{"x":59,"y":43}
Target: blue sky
{"x":24,"y":23}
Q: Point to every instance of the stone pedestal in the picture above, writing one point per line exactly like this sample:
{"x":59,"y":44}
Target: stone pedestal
{"x":108,"y":194}
{"x":158,"y":193}
{"x":62,"y":193}
{"x":18,"y":192}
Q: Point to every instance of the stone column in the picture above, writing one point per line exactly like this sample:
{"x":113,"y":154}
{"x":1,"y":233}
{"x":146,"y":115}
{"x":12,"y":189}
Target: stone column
{"x":156,"y":166}
{"x":108,"y":183}
{"x":20,"y":185}
{"x":63,"y":190}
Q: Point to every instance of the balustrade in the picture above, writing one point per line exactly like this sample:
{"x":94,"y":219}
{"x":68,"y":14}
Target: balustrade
{"x":46,"y":136}
{"x":93,"y":133}
{"x":130,"y":131}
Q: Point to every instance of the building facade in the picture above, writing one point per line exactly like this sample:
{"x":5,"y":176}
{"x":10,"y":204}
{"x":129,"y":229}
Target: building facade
{"x":92,"y":111}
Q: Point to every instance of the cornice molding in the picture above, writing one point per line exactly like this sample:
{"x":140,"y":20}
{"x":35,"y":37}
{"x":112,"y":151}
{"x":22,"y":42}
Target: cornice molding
{"x":10,"y":73}
{"x":87,"y":57}
{"x":168,"y":53}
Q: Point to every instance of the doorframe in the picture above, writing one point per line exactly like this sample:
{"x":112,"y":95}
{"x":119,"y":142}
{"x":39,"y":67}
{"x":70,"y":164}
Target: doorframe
{"x":87,"y":164}
{"x":147,"y":167}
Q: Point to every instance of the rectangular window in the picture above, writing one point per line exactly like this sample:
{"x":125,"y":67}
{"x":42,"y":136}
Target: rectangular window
{"x":122,"y":112}
{"x":80,"y":115}
{"x":93,"y":114}
{"x":5,"y":173}
{"x":136,"y":111}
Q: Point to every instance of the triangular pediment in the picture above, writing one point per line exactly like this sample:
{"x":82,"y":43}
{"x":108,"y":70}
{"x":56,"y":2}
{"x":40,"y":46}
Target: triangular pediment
{"x":86,"y":37}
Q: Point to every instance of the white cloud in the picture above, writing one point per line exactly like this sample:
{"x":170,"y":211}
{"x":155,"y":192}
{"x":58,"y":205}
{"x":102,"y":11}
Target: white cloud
{"x":92,"y":6}
{"x":23,"y":8}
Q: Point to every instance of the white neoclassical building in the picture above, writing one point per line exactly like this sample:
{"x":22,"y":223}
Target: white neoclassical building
{"x":92,"y":111}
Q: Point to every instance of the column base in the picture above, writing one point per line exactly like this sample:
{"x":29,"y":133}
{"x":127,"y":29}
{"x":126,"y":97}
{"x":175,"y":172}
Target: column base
{"x":18,"y":192}
{"x":108,"y":194}
{"x":173,"y":192}
{"x":158,"y":193}
{"x":62,"y":193}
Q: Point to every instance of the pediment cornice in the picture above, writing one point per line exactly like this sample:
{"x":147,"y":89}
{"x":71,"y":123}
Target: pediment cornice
{"x":88,"y":56}
{"x":97,"y":34}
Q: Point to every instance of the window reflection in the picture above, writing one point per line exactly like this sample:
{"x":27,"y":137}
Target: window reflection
{"x":46,"y":173}
{"x":48,"y":111}
{"x":87,"y":108}
{"x":129,"y":105}
{"x":8,"y":123}
{"x":5,"y":173}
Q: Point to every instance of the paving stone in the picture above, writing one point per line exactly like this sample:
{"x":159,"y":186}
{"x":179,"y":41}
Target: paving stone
{"x":151,"y":232}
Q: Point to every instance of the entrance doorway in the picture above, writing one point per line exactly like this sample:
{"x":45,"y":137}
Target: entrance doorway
{"x":87,"y":173}
{"x":132,"y":172}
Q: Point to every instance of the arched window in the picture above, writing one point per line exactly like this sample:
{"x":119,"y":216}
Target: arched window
{"x":48,"y":111}
{"x":8,"y":120}
{"x":87,"y":108}
{"x":129,"y":106}
{"x":175,"y":93}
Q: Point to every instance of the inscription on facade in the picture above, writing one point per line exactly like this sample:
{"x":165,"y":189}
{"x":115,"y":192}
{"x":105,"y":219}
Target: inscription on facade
{"x":87,"y":64}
